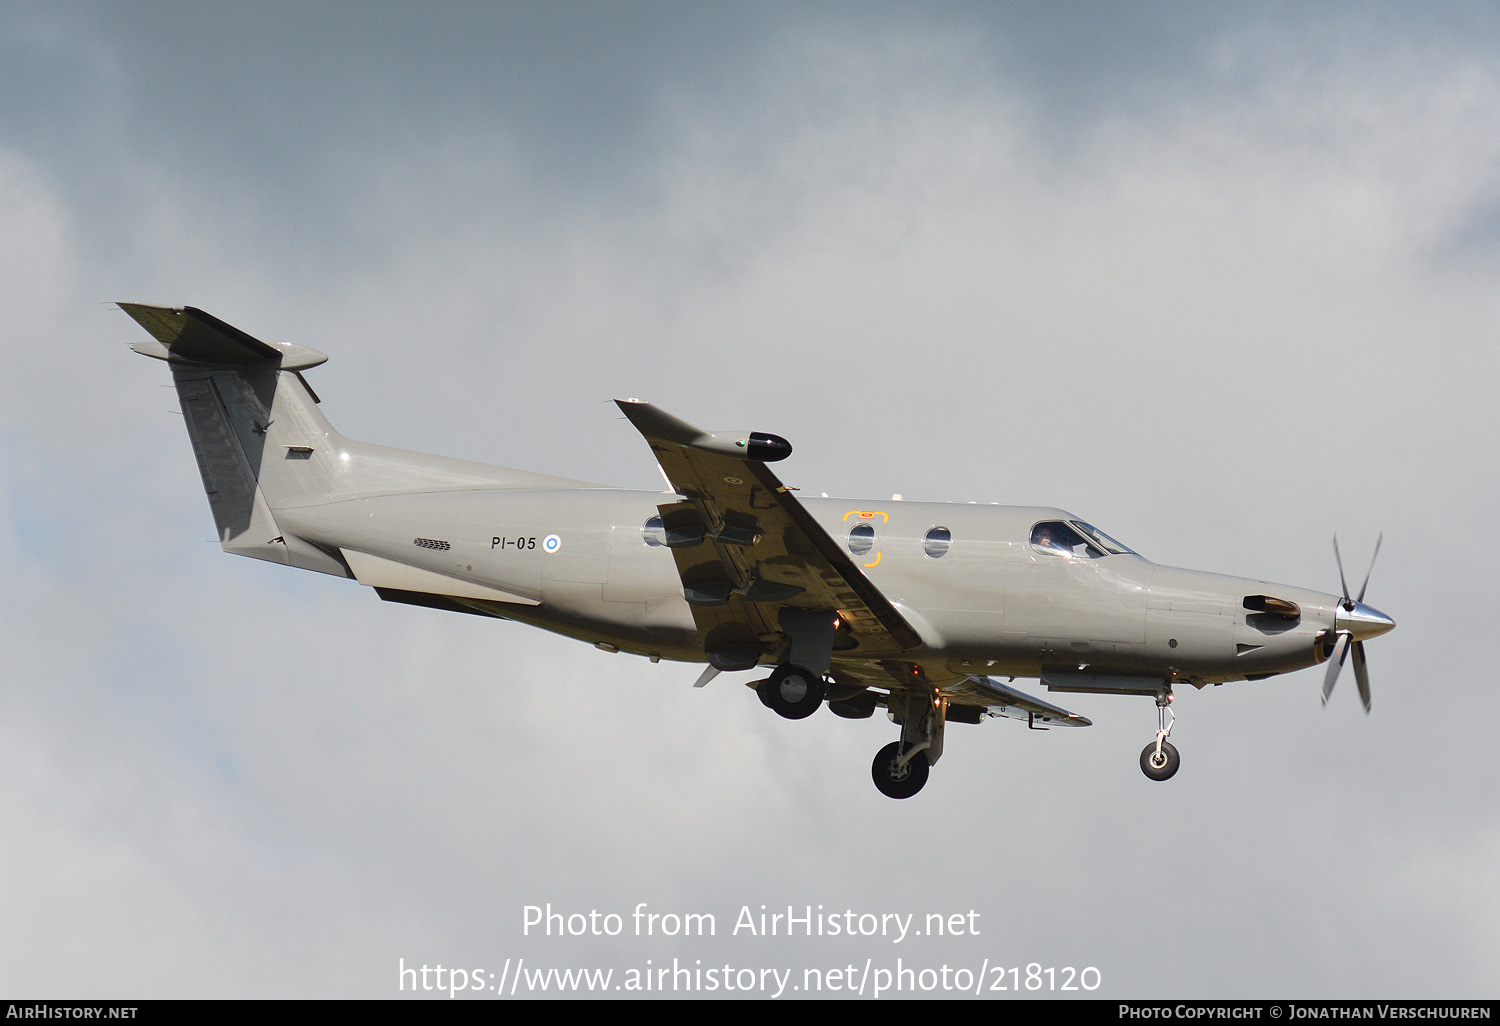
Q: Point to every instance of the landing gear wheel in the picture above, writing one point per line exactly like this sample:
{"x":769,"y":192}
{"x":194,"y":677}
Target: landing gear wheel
{"x":792,"y":691}
{"x":1159,"y":765}
{"x":896,"y":781}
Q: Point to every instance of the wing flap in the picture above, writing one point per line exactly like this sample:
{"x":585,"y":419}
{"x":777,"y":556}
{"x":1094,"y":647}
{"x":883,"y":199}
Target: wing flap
{"x":1003,"y":700}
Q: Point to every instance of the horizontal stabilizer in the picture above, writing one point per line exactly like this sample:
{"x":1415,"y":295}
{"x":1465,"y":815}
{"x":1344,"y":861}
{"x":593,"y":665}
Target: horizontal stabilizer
{"x":186,"y":334}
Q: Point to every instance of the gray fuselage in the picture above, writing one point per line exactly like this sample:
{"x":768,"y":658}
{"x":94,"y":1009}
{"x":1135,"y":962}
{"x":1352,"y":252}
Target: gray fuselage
{"x":990,"y":603}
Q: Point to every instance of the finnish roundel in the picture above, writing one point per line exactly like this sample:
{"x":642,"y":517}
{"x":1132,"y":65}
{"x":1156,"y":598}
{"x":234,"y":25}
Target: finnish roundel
{"x":551,"y":543}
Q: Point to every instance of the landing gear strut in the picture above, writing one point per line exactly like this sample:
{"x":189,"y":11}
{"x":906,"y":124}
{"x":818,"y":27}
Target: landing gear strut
{"x":900,"y":768}
{"x":1159,"y":759}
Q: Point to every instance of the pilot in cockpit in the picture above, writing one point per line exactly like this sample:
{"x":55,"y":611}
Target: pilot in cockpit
{"x":1059,"y":538}
{"x":1049,"y":537}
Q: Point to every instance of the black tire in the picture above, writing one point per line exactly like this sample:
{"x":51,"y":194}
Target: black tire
{"x":792,"y":691}
{"x":898,"y":783}
{"x":1160,"y":767}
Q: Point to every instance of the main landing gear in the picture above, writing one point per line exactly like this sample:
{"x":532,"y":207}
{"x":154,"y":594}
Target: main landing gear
{"x":897,"y":775}
{"x":1159,"y":759}
{"x":796,"y":687}
{"x":792,"y":691}
{"x":900,"y":768}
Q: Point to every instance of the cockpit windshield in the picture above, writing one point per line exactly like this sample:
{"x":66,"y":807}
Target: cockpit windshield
{"x":1074,"y":538}
{"x":1104,"y":541}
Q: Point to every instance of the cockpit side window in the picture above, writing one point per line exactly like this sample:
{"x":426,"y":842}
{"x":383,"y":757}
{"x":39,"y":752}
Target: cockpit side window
{"x":1057,"y":538}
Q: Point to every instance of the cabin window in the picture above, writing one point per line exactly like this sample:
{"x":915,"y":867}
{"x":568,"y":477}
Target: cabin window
{"x":653,"y":531}
{"x":861,"y":539}
{"x":936,"y":541}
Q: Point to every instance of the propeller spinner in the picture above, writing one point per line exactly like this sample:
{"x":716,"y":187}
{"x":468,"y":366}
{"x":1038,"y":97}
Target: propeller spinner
{"x":1352,"y":624}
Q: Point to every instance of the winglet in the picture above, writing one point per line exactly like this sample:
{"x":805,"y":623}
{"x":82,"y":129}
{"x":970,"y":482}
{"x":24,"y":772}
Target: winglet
{"x":656,"y":423}
{"x":186,"y":334}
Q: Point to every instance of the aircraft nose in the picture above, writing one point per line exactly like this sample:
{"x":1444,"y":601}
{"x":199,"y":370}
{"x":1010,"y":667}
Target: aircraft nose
{"x":1362,"y":621}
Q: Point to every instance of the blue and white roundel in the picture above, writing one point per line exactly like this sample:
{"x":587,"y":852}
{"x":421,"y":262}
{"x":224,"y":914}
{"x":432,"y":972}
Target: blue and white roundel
{"x":551,"y":543}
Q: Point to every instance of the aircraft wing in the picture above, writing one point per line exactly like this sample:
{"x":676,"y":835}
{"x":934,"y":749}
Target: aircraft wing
{"x":747,"y":551}
{"x":1001,"y":700}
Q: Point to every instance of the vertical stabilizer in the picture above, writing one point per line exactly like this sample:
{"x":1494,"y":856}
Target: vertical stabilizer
{"x":254,"y":426}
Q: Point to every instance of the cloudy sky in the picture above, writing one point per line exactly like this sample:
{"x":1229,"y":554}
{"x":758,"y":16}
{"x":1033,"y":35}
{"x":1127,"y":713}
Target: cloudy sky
{"x":1221,"y":281}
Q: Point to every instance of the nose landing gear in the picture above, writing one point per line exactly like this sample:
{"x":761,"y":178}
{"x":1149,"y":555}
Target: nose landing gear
{"x":1159,"y":759}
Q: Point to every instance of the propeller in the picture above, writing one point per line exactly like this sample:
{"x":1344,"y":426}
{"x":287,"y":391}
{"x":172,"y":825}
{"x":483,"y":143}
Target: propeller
{"x":1353,"y":622}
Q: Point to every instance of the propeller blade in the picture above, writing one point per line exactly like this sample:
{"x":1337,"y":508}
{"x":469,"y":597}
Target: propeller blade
{"x":1332,"y":676}
{"x":1342,"y":583}
{"x":1361,"y":674}
{"x":1354,"y":621}
{"x":1368,"y":572}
